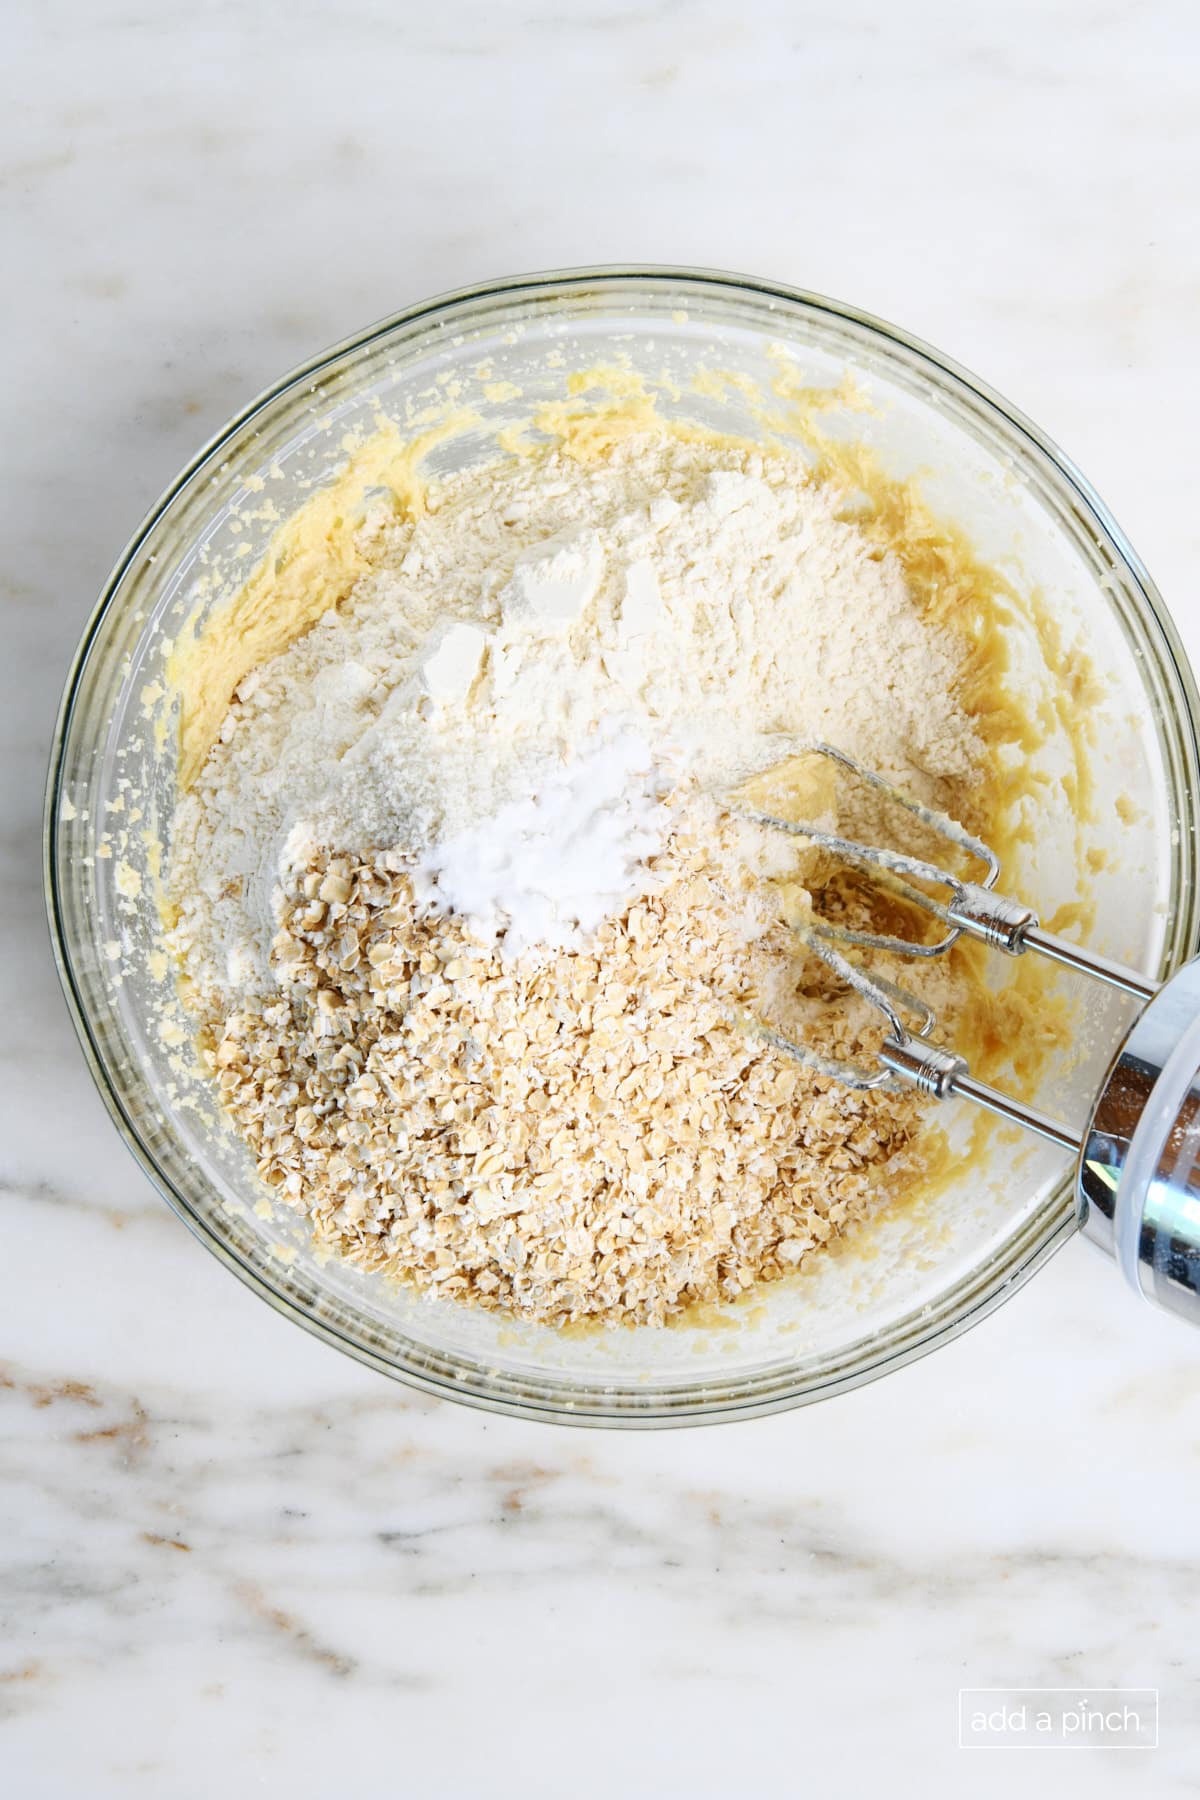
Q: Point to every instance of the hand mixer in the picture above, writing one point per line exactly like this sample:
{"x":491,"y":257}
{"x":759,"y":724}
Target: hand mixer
{"x":1137,"y":1160}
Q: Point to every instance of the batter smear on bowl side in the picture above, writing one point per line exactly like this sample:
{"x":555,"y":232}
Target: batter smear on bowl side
{"x":471,"y":930}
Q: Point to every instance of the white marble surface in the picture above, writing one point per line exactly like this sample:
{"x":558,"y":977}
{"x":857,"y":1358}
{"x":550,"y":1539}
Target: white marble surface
{"x":231,"y":1562}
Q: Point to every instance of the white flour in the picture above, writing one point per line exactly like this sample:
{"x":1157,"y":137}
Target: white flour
{"x":499,"y":697}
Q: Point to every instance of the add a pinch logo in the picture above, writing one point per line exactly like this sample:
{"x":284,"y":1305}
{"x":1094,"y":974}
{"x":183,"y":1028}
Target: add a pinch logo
{"x":1058,"y":1718}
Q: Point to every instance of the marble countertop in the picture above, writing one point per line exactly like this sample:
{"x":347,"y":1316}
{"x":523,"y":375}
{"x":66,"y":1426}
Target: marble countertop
{"x":231,"y":1562}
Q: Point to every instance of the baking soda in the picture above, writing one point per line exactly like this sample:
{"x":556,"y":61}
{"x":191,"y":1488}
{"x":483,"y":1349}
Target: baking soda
{"x":546,"y":870}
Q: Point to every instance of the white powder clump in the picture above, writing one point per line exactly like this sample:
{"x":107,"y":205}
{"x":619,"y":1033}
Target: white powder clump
{"x":552,"y":583}
{"x":449,"y":665}
{"x":545,"y":871}
{"x":706,"y":601}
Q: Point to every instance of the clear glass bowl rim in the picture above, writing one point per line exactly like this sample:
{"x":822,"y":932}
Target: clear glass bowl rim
{"x":1026,"y":1251}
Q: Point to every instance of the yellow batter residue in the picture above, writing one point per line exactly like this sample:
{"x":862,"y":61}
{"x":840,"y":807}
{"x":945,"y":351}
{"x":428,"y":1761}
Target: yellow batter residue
{"x":311,"y":565}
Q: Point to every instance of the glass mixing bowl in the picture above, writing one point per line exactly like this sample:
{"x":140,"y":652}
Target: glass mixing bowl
{"x":919,"y":1273}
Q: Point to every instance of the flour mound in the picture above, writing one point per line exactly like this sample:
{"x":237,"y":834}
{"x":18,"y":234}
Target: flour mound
{"x":529,"y":667}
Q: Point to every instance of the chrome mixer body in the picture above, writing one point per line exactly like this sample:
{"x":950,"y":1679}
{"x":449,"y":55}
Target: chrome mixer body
{"x":1137,"y":1158}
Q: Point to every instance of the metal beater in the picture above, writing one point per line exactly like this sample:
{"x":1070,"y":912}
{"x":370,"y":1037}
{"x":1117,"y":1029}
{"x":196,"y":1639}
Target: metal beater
{"x":1137,"y":1161}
